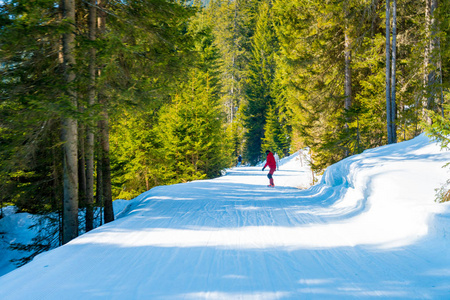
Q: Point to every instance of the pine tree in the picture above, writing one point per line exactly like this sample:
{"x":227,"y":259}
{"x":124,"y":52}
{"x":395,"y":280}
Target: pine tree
{"x":136,"y":153}
{"x":312,"y":60}
{"x":90,"y":138}
{"x":232,"y":27}
{"x":139,"y":150}
{"x":272,"y":133}
{"x":233,"y":24}
{"x":192,"y":134}
{"x":30,"y":106}
{"x":138,"y":60}
{"x":258,"y":88}
{"x":391,"y":52}
{"x":444,"y":53}
{"x":143,"y":51}
{"x":196,"y":144}
{"x":315,"y":40}
{"x":70,"y":129}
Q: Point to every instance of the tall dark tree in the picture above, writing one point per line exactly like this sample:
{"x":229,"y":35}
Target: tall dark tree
{"x":30,"y":90}
{"x":393,"y":74}
{"x":391,"y":55}
{"x":432,"y":59}
{"x":69,"y":134}
{"x":90,"y":139}
{"x":108,"y":213}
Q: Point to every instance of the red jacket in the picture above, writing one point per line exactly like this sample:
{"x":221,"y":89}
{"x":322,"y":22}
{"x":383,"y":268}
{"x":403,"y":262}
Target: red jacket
{"x":271,"y":161}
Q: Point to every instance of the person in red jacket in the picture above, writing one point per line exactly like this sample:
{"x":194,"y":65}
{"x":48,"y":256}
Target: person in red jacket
{"x":270,"y":161}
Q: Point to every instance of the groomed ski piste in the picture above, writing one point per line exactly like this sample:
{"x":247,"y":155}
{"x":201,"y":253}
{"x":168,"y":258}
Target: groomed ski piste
{"x":371,"y":229}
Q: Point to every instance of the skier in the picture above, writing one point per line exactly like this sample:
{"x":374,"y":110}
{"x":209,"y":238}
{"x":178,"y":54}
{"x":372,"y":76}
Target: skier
{"x":239,"y":160}
{"x":270,"y":161}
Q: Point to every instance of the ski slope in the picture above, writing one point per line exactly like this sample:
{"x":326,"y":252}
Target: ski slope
{"x":369,"y":229}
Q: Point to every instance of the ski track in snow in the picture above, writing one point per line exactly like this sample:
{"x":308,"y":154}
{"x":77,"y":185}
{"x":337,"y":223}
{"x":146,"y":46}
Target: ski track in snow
{"x":370,"y":229}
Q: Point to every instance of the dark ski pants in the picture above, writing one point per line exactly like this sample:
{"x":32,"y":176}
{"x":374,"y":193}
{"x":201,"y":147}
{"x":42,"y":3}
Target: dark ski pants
{"x":270,"y":176}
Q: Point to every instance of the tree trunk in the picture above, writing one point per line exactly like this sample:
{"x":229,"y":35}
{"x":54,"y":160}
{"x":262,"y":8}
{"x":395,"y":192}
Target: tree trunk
{"x":99,"y":192}
{"x":348,"y":75}
{"x":147,"y":183}
{"x":90,"y":138}
{"x":81,"y":165}
{"x":440,"y":79}
{"x":426,"y":58}
{"x":393,"y":79}
{"x":106,"y":165}
{"x":374,"y":8}
{"x":104,"y":136}
{"x":70,"y":132}
{"x":433,"y":59}
{"x":437,"y":43}
{"x":388,"y":76}
{"x":348,"y":59}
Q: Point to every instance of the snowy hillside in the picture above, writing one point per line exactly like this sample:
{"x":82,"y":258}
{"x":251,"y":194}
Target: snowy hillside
{"x":370,"y":229}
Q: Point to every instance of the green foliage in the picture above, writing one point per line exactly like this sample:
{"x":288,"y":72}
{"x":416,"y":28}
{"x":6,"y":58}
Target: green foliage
{"x":142,"y":54}
{"x":440,"y":131}
{"x":183,"y":141}
{"x":30,"y":105}
{"x":166,"y":142}
{"x":440,"y":128}
{"x":275,"y":138}
{"x":259,"y":84}
{"x":232,"y":25}
{"x":136,"y":157}
{"x":311,"y":61}
{"x":311,"y":72}
{"x":189,"y":88}
{"x":443,"y":13}
{"x":191,"y":134}
{"x":145,"y":50}
{"x":443,"y":193}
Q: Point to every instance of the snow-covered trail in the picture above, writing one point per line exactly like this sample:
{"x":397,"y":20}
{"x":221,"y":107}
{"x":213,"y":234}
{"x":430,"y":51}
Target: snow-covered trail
{"x":370,"y":229}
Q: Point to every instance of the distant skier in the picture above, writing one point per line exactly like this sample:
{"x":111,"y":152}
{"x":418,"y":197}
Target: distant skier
{"x":277,"y":160}
{"x":270,"y":161}
{"x":239,"y":160}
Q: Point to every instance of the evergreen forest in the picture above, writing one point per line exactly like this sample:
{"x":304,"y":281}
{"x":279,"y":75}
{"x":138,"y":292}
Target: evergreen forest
{"x":105,"y":99}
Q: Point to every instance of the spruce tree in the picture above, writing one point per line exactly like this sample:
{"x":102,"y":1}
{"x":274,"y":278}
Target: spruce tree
{"x":192,"y":134}
{"x":232,"y":24}
{"x":138,"y":149}
{"x":70,"y":129}
{"x":258,"y":88}
{"x":143,"y":51}
{"x":272,"y":133}
{"x":30,"y":106}
{"x":136,"y":153}
{"x":314,"y":43}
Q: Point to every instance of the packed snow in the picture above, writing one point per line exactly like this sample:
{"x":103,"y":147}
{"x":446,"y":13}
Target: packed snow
{"x":370,"y":229}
